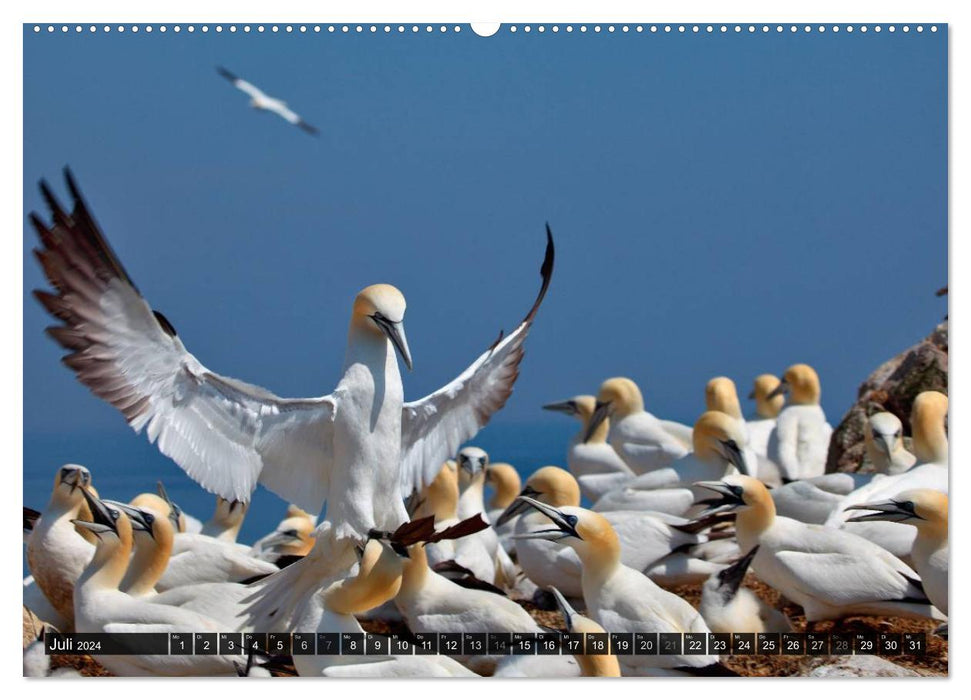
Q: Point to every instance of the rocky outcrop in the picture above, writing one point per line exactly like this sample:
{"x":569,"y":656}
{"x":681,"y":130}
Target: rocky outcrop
{"x":892,"y":387}
{"x":856,"y":667}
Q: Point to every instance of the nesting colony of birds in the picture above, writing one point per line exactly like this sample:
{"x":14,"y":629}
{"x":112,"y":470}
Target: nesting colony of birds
{"x":729,"y":525}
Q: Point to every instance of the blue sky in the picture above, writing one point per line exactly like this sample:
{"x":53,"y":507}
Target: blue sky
{"x":721,"y":204}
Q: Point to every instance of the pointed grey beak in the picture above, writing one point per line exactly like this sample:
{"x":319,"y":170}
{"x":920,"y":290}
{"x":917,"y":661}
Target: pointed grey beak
{"x":884,"y":442}
{"x":565,"y":608}
{"x":600,"y":414}
{"x":781,"y":389}
{"x":734,"y":455}
{"x":565,"y":524}
{"x":140,"y":520}
{"x":891,"y":511}
{"x":517,"y":507}
{"x":395,"y":330}
{"x":102,"y":519}
{"x":174,"y":510}
{"x":280,"y":538}
{"x":730,"y":497}
{"x":731,"y":577}
{"x":567,"y":407}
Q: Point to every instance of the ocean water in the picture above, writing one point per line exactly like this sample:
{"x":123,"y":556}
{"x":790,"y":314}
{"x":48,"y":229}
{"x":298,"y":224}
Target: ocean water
{"x":124,"y":464}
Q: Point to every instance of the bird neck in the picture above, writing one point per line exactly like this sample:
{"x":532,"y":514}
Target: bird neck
{"x":931,"y":535}
{"x":769,"y":408}
{"x":472,"y":498}
{"x":367,"y":346}
{"x":930,"y":438}
{"x":149,"y":561}
{"x":415,"y":572}
{"x":108,"y":565}
{"x":879,"y":460}
{"x":723,"y":399}
{"x":505,"y":493}
{"x":599,"y":436}
{"x":598,"y":665}
{"x":600,"y":558}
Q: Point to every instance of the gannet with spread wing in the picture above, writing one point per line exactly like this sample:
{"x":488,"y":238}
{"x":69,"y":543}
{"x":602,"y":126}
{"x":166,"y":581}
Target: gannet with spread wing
{"x":260,"y":100}
{"x":359,"y":449}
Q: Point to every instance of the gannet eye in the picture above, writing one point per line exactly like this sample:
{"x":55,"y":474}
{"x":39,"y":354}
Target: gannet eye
{"x":732,"y":444}
{"x":113,"y":513}
{"x":149,"y":518}
{"x":905,"y":505}
{"x":571,"y":520}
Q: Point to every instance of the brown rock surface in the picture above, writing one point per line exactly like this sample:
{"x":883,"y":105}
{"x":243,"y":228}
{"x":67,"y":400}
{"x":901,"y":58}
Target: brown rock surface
{"x":892,"y":387}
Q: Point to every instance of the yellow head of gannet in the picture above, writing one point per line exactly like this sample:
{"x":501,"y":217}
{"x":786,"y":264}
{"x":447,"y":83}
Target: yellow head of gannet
{"x":801,"y":383}
{"x":226,"y":520}
{"x":377,"y":581}
{"x":591,"y":665}
{"x":927,"y":421}
{"x":618,"y":397}
{"x":113,"y":531}
{"x":505,"y":481}
{"x":153,"y":536}
{"x":162,"y":505}
{"x":550,"y":485}
{"x":582,"y":408}
{"x":925,"y":509}
{"x":293,"y":537}
{"x":589,"y":533}
{"x":69,"y":481}
{"x":721,"y":395}
{"x":297,"y":512}
{"x":744,"y":495}
{"x":765,"y":385}
{"x":717,"y":435}
{"x":380,"y":310}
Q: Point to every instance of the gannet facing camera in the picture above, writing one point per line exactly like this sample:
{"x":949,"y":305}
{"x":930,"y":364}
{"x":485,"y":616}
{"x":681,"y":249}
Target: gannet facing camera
{"x":800,"y":441}
{"x":100,"y":607}
{"x":636,"y":435}
{"x":829,"y":572}
{"x":926,"y":510}
{"x":728,"y":607}
{"x":479,"y":551}
{"x":56,"y":551}
{"x":617,"y":597}
{"x":360,"y":449}
{"x":883,"y":436}
{"x":226,"y":520}
{"x":595,"y":464}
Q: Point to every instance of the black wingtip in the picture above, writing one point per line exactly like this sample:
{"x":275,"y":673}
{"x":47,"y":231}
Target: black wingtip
{"x":546,"y":272}
{"x":226,"y":74}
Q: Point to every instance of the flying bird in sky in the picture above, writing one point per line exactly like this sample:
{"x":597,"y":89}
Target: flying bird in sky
{"x":260,"y":100}
{"x":360,"y":449}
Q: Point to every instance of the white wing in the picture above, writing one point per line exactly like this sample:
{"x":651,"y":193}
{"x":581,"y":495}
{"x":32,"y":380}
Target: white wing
{"x":281,"y":108}
{"x":225,"y":434}
{"x":433,"y":428}
{"x":243,"y":85}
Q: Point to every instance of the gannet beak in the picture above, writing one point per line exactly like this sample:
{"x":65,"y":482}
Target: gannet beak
{"x":891,"y":511}
{"x":174,"y":510}
{"x":734,"y":455}
{"x":567,"y":407}
{"x":731,"y":577}
{"x":516,"y":507}
{"x":395,"y":330}
{"x":135,"y":516}
{"x":565,"y":608}
{"x":731,"y":497}
{"x":781,"y":389}
{"x":600,"y":413}
{"x":73,"y":478}
{"x":102,"y":521}
{"x":885,"y":442}
{"x":565,"y":524}
{"x":280,"y":538}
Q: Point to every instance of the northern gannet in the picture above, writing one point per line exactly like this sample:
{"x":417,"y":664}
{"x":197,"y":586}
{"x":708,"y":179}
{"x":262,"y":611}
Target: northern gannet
{"x":767,"y":409}
{"x":728,"y":606}
{"x":618,"y":598}
{"x":505,"y":483}
{"x":800,"y":441}
{"x":360,"y":449}
{"x":636,"y":435}
{"x":100,"y":607}
{"x":645,"y":538}
{"x":260,"y":100}
{"x":292,"y":538}
{"x":830,"y":573}
{"x":926,"y":510}
{"x":719,"y":449}
{"x":152,"y":536}
{"x":478,"y":552}
{"x":56,"y":552}
{"x":721,"y":395}
{"x":595,"y":464}
{"x":883,"y":435}
{"x":927,"y":420}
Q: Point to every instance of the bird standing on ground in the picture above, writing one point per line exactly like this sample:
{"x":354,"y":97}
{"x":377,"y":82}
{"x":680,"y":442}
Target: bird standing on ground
{"x":800,"y":441}
{"x":728,"y":607}
{"x":260,"y":100}
{"x":359,"y":449}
